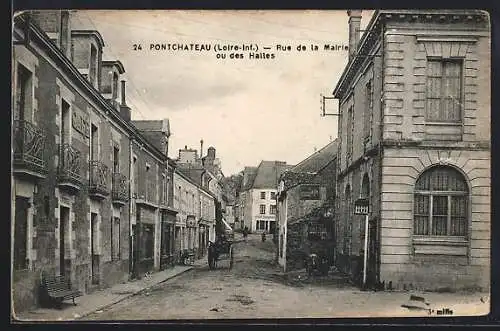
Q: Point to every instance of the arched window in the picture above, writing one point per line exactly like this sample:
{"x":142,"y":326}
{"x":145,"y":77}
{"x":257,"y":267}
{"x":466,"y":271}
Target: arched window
{"x":441,"y":196}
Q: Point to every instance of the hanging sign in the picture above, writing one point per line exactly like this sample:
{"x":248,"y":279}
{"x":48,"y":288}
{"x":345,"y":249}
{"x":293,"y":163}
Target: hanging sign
{"x":361,"y":207}
{"x":309,"y":192}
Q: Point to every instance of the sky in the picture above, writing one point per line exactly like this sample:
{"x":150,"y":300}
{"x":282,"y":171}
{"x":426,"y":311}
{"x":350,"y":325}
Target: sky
{"x":247,"y":109}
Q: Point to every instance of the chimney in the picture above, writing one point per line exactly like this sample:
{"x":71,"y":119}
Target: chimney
{"x":354,"y":27}
{"x":201,"y":148}
{"x":124,"y":109}
{"x":123,"y":93}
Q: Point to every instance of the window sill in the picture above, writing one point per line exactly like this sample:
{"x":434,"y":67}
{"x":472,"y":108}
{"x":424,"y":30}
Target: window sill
{"x":443,"y":123}
{"x":440,"y":245}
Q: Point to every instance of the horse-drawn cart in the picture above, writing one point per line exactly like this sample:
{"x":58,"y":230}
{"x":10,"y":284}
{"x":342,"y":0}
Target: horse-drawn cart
{"x":220,"y":250}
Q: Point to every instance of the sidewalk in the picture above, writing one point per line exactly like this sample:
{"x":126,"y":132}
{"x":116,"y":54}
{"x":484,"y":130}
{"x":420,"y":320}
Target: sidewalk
{"x":99,"y":300}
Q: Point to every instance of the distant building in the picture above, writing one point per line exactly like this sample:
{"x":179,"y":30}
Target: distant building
{"x":414,"y":133}
{"x":257,"y":198}
{"x":306,"y":209}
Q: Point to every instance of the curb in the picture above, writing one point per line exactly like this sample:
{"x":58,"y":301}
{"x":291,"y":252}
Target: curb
{"x":131,"y":294}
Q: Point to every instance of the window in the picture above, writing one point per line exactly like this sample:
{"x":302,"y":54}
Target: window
{"x":65,"y":122}
{"x":262,"y":209}
{"x":164,"y":188}
{"x":348,"y":221}
{"x":272,"y":209}
{"x":135,"y":174}
{"x":114,"y":89}
{"x":368,"y":110}
{"x":273,"y":195}
{"x":94,"y":143}
{"x":116,"y":159}
{"x":440,"y":206}
{"x":23,"y":93}
{"x":262,"y":195}
{"x":444,"y":91}
{"x":93,"y":65}
{"x":115,"y":238}
{"x":349,"y":131}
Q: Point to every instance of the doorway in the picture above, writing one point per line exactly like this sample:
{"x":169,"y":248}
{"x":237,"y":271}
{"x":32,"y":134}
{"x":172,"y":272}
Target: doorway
{"x":63,"y":240}
{"x":94,"y":265}
{"x":373,"y":267}
{"x":21,"y":233}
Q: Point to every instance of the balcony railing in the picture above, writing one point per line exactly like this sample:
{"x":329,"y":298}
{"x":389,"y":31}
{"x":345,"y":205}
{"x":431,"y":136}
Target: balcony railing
{"x":98,"y":181}
{"x":69,"y":167}
{"x":120,"y":188}
{"x":147,"y":195}
{"x":29,"y":145}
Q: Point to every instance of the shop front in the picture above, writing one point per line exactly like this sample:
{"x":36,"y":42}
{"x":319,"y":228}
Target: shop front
{"x":167,"y":240}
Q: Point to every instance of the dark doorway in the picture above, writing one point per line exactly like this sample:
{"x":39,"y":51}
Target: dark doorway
{"x":21,"y":234}
{"x":63,"y":239}
{"x":94,"y":267}
{"x":373,"y":267}
{"x":133,"y":241}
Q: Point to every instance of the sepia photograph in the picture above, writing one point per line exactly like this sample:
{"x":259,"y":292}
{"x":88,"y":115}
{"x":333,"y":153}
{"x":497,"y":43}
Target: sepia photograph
{"x":176,"y":165}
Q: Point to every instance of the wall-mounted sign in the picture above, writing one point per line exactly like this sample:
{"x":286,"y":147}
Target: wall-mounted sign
{"x":361,"y":207}
{"x":309,"y":192}
{"x":81,"y":122}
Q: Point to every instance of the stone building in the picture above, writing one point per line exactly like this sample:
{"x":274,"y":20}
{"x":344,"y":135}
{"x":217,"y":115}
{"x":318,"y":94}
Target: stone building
{"x":257,"y":198}
{"x":305,"y":209}
{"x":153,"y":212}
{"x":414,"y":132}
{"x":187,"y":203}
{"x":72,"y":156}
{"x":205,"y":172}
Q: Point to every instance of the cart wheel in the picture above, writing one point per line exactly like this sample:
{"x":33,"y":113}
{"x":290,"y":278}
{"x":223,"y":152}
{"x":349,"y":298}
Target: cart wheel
{"x":231,"y":257}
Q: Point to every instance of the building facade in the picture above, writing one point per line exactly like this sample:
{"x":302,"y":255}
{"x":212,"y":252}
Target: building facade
{"x":187,"y":202}
{"x":257,"y":199}
{"x":417,"y":86}
{"x":72,"y":164}
{"x":306,"y":209}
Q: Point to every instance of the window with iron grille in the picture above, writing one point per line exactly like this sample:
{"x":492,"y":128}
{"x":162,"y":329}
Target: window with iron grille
{"x":440,"y":206}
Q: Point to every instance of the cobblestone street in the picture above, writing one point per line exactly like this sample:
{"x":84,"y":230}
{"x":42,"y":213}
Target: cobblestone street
{"x":255,"y":288}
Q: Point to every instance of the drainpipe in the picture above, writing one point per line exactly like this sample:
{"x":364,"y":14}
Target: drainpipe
{"x":130,"y":171}
{"x":285,"y":239}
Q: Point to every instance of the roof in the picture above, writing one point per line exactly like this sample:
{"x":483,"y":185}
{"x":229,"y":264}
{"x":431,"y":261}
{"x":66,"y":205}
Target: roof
{"x":268,"y":173}
{"x":319,"y":159}
{"x":250,"y":172}
{"x":305,"y":171}
{"x":94,"y":33}
{"x":153,"y":125}
{"x":116,"y":63}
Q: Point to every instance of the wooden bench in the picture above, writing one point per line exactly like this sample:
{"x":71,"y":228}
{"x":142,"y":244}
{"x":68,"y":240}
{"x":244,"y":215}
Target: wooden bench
{"x":58,"y":289}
